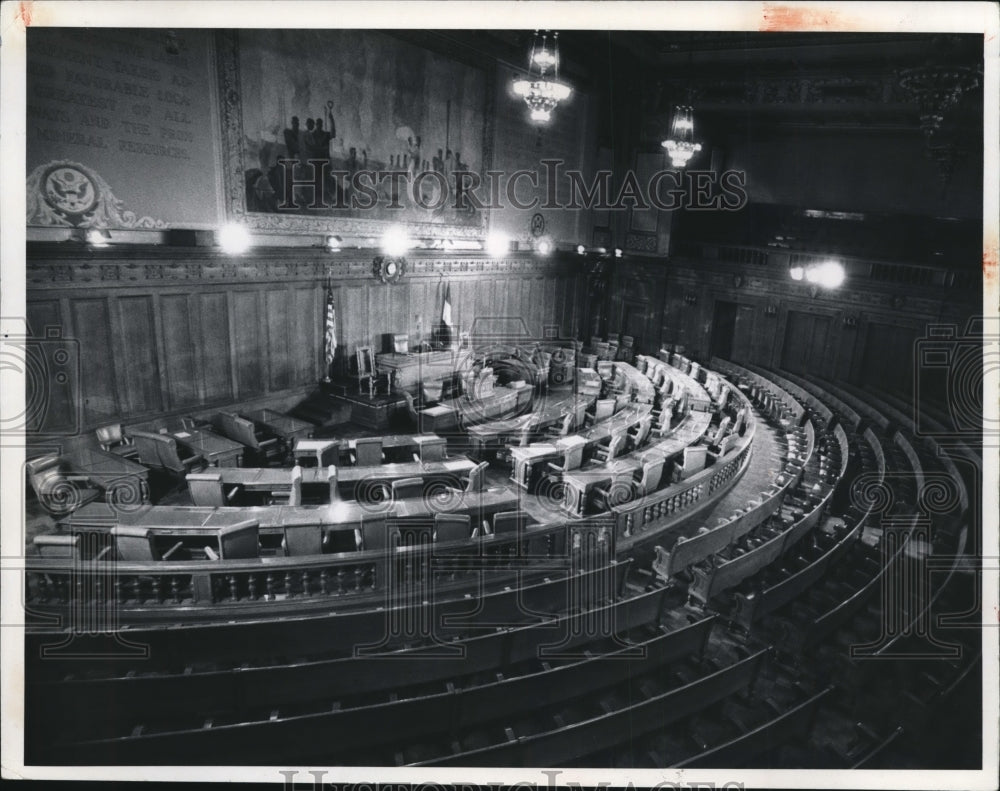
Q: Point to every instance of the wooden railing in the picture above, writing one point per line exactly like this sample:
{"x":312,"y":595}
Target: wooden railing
{"x":203,"y":585}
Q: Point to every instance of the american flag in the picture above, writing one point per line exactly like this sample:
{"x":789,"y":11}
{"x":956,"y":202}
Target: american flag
{"x":330,"y":329}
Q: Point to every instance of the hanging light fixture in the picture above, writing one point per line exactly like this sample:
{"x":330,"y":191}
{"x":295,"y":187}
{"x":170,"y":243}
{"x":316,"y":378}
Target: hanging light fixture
{"x":680,"y":145}
{"x":541,"y":89}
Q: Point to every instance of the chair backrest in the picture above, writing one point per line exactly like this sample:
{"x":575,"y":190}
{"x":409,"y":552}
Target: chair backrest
{"x":605,"y":369}
{"x":303,"y":540}
{"x":652,"y":473}
{"x":109,"y":436}
{"x":236,"y":428}
{"x":170,"y":457}
{"x":376,"y":534}
{"x":432,"y":449}
{"x":331,"y":479}
{"x":643,"y":430}
{"x":604,"y":408}
{"x":134,"y":542}
{"x":579,"y":414}
{"x":58,"y":546}
{"x":431,"y":391}
{"x":405,"y":488}
{"x":411,"y":409}
{"x":44,"y":473}
{"x":241,"y":540}
{"x":366,"y":361}
{"x":477,"y":477}
{"x":451,"y":527}
{"x":295,"y":495}
{"x":508,"y":521}
{"x":147,"y":445}
{"x":616,"y":446}
{"x":567,"y":424}
{"x":206,"y":488}
{"x":368,"y":451}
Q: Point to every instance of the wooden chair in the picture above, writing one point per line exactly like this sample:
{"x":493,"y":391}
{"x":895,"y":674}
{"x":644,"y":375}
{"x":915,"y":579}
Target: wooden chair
{"x":650,"y":476}
{"x":331,"y":479}
{"x":206,"y":488}
{"x":411,"y":410}
{"x":376,"y":534}
{"x":603,"y":409}
{"x":263,"y":449}
{"x":367,"y":452}
{"x":135,"y":542}
{"x":452,"y":527}
{"x":160,"y":450}
{"x":59,"y":491}
{"x":365,"y":360}
{"x":292,"y":495}
{"x":430,"y":450}
{"x":405,"y":488}
{"x":238,"y":541}
{"x":301,"y":540}
{"x":605,"y":453}
{"x":640,"y":433}
{"x":476,"y":479}
{"x":509,"y":522}
{"x":431,"y":392}
{"x":113,"y":440}
{"x":562,"y":429}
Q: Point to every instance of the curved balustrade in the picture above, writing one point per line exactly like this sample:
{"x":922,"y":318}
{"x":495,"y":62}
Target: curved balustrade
{"x":846,"y":412}
{"x":198,"y":590}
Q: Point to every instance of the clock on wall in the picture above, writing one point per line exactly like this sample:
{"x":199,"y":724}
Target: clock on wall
{"x":388,"y":269}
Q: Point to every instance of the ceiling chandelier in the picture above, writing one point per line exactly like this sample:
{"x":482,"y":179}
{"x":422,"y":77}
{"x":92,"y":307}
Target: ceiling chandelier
{"x":541,"y":90}
{"x":937,"y":90}
{"x":680,"y":145}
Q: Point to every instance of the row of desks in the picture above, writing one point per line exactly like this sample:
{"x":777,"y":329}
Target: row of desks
{"x":274,"y":519}
{"x":552,"y":412}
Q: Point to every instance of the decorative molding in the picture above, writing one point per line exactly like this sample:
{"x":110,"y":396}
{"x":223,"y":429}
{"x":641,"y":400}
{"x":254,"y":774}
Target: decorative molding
{"x":643,"y":242}
{"x":64,"y":269}
{"x":70,"y":195}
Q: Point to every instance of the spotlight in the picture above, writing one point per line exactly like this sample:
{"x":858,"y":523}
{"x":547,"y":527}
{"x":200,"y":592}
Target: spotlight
{"x":580,"y":249}
{"x":395,"y":241}
{"x":234,"y":239}
{"x":544,"y":246}
{"x":98,"y":237}
{"x":333,"y":243}
{"x":797,"y":272}
{"x":618,"y":252}
{"x":829,"y":274}
{"x":497,"y":244}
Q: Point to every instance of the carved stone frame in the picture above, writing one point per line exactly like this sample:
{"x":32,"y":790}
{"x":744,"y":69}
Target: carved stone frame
{"x":234,"y":160}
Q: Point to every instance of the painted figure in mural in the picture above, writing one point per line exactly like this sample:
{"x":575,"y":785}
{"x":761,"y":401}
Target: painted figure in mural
{"x":292,"y":135}
{"x":415,"y":160}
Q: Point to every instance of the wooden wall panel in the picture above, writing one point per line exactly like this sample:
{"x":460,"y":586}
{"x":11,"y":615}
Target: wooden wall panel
{"x":248,"y":343}
{"x":181,"y":335}
{"x":214,"y":347}
{"x":307,"y":312}
{"x":98,"y":381}
{"x":139,"y":368}
{"x":180,"y":365}
{"x":52,"y":370}
{"x":279,"y":352}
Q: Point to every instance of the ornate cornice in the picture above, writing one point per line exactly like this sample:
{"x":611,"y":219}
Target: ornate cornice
{"x":59,"y":267}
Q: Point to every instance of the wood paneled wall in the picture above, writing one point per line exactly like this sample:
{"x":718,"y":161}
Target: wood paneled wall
{"x":863,"y":333}
{"x":162,"y":331}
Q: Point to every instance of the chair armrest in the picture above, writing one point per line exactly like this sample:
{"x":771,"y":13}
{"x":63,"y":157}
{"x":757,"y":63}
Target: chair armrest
{"x":172,"y":550}
{"x":231,"y":494}
{"x":190,"y":461}
{"x":555,"y":467}
{"x":416,"y":457}
{"x":211,"y":554}
{"x":486,"y":528}
{"x":266,"y":443}
{"x":103,"y":553}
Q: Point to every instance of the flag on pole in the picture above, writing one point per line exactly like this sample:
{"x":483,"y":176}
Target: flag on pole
{"x":446,"y":308}
{"x":330,"y":330}
{"x":446,"y":325}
